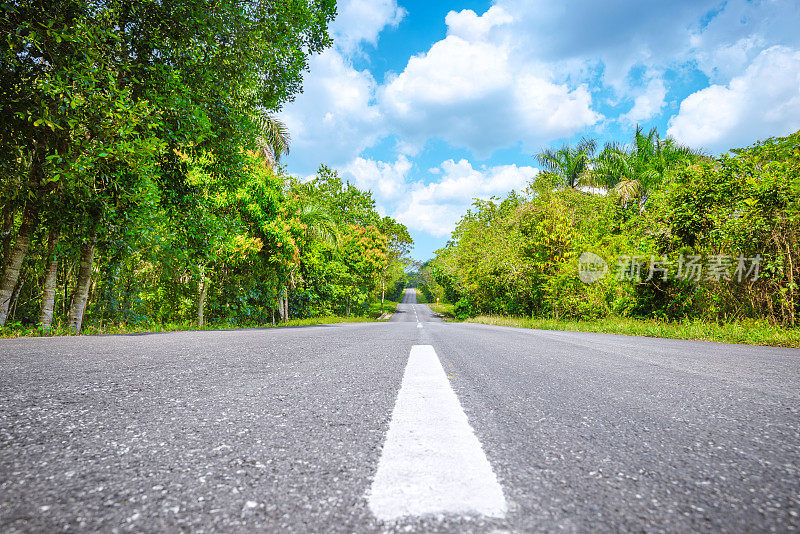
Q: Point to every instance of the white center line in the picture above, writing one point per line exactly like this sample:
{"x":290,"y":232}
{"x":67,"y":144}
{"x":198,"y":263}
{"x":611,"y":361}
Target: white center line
{"x":432,"y":462}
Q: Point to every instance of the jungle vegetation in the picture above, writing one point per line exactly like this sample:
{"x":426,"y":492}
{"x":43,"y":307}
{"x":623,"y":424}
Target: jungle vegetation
{"x":141,"y":183}
{"x":652,"y":203}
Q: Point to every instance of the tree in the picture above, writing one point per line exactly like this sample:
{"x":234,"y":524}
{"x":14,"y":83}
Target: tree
{"x":98,"y":97}
{"x":569,"y":165}
{"x":273,"y":139}
{"x":316,"y":224}
{"x":398,"y":247}
{"x":633,"y":172}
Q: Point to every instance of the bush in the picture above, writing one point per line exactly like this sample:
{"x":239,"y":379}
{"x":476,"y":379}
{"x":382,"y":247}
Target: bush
{"x":464,"y":309}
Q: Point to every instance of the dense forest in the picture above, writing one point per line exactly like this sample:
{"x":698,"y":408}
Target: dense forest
{"x":141,"y":182}
{"x":684,"y":236}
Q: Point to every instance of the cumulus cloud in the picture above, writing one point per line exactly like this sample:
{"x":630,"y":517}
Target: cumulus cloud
{"x":471,"y":90}
{"x":452,"y":71}
{"x":335,"y":119}
{"x":360,"y":21}
{"x":574,"y":36}
{"x":436,"y":207}
{"x":738,"y":31}
{"x":468,"y":25}
{"x":433,"y":207}
{"x":387,"y":181}
{"x":761,"y":102}
{"x":648,"y":104}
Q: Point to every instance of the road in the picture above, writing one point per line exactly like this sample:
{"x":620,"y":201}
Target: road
{"x":411,"y":425}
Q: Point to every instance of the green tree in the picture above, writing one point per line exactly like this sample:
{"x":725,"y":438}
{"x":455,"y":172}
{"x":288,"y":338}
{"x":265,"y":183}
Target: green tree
{"x":100,"y":98}
{"x":633,"y":172}
{"x":569,"y":166}
{"x":273,"y":139}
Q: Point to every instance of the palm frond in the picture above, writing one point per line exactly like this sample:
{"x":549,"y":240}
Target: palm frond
{"x":628,"y":190}
{"x":274,"y":138}
{"x":319,"y":223}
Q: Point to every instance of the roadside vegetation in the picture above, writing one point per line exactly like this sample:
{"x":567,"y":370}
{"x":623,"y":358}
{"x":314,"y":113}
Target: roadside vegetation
{"x":151,"y":328}
{"x":445,"y":309}
{"x":649,"y":209}
{"x":141,"y":179}
{"x":747,"y":332}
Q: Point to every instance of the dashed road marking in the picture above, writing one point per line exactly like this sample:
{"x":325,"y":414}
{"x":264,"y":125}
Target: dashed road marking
{"x":432,"y":462}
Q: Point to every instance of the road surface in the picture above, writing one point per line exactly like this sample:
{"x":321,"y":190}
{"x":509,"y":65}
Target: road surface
{"x":413,"y":425}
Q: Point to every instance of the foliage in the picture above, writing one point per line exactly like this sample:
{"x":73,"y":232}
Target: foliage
{"x":139,"y":140}
{"x":748,"y":332}
{"x":519,"y":255}
{"x":568,"y":166}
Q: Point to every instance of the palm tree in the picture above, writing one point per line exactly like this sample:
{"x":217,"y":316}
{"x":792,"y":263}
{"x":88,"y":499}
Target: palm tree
{"x":569,"y":164}
{"x":320,"y":226}
{"x":631,"y":173}
{"x":319,"y":223}
{"x":273,"y":139}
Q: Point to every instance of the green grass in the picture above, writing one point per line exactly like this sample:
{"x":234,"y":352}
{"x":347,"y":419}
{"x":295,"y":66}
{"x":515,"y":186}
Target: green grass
{"x":746,"y":332}
{"x":375,"y":308}
{"x":443,"y":308}
{"x":420,"y":297}
{"x":17,"y":330}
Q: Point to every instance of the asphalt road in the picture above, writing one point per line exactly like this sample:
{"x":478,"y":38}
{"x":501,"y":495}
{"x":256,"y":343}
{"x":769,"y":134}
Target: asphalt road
{"x":282,"y":429}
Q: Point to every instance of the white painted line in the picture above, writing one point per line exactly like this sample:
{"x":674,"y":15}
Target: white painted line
{"x":419,"y":325}
{"x":432,"y":462}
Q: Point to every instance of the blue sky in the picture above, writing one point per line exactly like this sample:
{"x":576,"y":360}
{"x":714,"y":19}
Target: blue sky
{"x":432,"y":104}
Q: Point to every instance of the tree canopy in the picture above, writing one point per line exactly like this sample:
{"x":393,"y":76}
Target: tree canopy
{"x":685,"y":236}
{"x":140,"y":161}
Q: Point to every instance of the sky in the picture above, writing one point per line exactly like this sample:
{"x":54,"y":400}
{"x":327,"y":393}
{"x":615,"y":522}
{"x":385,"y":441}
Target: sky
{"x":432,"y":104}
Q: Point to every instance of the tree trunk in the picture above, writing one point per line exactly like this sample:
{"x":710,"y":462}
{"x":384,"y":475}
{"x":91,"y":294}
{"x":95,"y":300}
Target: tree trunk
{"x":65,"y":302}
{"x":50,"y":278}
{"x":7,"y":236}
{"x":84,"y":281}
{"x":12,"y":309}
{"x":286,"y":305}
{"x":201,"y":299}
{"x":14,"y":262}
{"x":383,"y":294}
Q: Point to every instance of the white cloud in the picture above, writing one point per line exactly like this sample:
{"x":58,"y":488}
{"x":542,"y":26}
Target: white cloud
{"x":648,"y":104}
{"x":471,"y":27}
{"x":453,"y":70}
{"x":387,"y":181}
{"x":363,"y":20}
{"x":739,"y":31}
{"x":587,"y":40}
{"x":726,"y":60}
{"x":436,"y":207}
{"x":471,"y":90}
{"x":761,"y":102}
{"x":550,"y":111}
{"x":335,"y":118}
{"x":580,"y":37}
